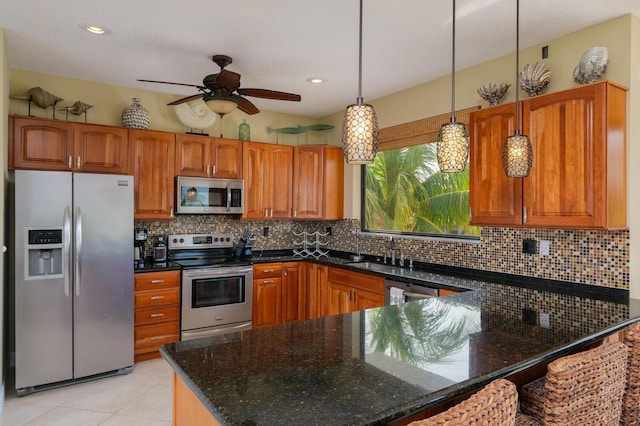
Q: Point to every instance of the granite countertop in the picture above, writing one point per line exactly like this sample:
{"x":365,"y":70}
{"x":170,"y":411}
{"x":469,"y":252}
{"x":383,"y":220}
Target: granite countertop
{"x":379,"y":365}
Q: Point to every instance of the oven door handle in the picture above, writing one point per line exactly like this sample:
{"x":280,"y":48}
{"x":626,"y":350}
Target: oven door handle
{"x":215,"y":272}
{"x":418,"y":295}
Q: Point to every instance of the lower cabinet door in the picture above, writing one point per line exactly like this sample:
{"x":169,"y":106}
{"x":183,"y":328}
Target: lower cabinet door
{"x":149,"y":338}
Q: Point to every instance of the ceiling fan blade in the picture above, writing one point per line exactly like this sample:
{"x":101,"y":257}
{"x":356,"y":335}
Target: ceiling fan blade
{"x":187,"y":99}
{"x":270,"y":94}
{"x":168,"y":82}
{"x":228,"y":79}
{"x":246,"y":106}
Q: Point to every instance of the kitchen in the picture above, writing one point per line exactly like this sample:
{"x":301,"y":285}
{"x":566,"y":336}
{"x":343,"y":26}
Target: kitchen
{"x":498,"y":247}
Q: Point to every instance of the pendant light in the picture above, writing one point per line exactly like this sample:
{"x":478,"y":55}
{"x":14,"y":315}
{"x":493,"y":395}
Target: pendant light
{"x":453,"y":141}
{"x":517,"y":153}
{"x":360,"y":134}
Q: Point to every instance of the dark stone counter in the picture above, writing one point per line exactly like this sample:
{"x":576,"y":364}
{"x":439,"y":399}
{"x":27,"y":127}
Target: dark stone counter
{"x":379,"y":365}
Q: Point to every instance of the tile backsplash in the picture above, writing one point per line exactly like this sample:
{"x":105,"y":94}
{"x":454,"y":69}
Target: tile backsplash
{"x":582,"y":256}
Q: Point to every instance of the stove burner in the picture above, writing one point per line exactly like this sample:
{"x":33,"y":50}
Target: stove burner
{"x":204,"y":250}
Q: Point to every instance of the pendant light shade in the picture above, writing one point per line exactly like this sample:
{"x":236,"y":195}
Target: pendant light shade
{"x":360,"y":133}
{"x":517,"y":156}
{"x":452,"y":149}
{"x":517,"y":153}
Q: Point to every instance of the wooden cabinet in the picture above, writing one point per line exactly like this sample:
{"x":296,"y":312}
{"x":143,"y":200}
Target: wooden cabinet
{"x":203,"y":156}
{"x":268,"y":179}
{"x":444,"y":292}
{"x":267,"y":294}
{"x":353,"y":291}
{"x":314,"y":304}
{"x":318,"y":182}
{"x":43,"y":144}
{"x":157,"y":312}
{"x":293,"y":292}
{"x":578,"y":178}
{"x":151,"y":160}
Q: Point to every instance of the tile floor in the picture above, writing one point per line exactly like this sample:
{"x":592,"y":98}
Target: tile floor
{"x":141,"y":398}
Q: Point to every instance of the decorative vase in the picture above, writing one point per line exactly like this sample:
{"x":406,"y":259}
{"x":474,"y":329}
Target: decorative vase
{"x":135,"y":115}
{"x":244,"y":131}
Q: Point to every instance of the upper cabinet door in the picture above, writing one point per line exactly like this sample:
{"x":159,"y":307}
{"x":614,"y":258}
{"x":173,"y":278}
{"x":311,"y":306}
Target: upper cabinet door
{"x":281,"y":186}
{"x":308,"y":182}
{"x":101,"y":149}
{"x":226,"y":157}
{"x":256,"y":178}
{"x":42,"y":144}
{"x":151,"y":161}
{"x":578,"y":176}
{"x":193,"y":155}
{"x":494,"y":198}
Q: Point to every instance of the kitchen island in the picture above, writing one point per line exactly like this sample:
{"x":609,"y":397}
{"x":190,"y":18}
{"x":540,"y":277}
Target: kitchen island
{"x":381,"y":365}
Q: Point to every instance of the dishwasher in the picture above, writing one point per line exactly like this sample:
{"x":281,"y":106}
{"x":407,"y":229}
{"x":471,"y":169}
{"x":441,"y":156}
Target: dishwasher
{"x":397,"y":292}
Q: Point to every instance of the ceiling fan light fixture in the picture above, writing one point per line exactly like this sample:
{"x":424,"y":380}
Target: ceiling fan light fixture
{"x":360,"y":133}
{"x":220,"y":105}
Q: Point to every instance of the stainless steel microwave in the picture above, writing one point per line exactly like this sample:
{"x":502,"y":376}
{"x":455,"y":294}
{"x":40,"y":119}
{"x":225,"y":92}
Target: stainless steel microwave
{"x":209,"y":195}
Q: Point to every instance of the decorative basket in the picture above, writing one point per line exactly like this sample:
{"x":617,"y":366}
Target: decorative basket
{"x":135,"y":115}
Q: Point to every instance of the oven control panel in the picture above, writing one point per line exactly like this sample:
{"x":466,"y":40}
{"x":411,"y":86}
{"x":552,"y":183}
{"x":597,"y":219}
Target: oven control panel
{"x":200,"y":241}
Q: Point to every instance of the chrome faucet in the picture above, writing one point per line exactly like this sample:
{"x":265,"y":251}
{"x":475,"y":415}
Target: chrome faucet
{"x":402,"y":258}
{"x":393,"y":250}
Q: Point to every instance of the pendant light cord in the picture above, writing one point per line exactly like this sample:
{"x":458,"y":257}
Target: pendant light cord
{"x":453,"y":67}
{"x":359,"y":101}
{"x":517,"y":64}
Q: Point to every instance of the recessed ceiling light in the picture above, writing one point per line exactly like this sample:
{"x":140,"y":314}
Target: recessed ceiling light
{"x":95,"y":30}
{"x":315,"y":80}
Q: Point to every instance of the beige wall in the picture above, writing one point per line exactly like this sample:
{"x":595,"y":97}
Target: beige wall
{"x":633,"y":157}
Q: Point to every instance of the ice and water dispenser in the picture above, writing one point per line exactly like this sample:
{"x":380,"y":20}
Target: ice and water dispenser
{"x":43,"y":253}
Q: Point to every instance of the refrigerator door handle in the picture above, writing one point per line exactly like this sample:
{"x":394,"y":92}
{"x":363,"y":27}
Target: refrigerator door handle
{"x":67,"y":251}
{"x":78,"y":251}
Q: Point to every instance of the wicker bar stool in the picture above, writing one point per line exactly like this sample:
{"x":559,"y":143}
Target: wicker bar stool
{"x":581,"y":389}
{"x":494,"y":405}
{"x":631,"y":398}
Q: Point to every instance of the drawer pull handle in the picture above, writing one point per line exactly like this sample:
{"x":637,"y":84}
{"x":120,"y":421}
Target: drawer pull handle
{"x":156,"y":315}
{"x":156,"y":338}
{"x":269,"y":270}
{"x":156,"y":281}
{"x":267,"y":282}
{"x":157,"y":297}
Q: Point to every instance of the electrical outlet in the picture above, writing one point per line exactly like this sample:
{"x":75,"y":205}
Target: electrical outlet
{"x":265,"y":231}
{"x":529,"y":246}
{"x":545,"y":52}
{"x":328,"y":230}
{"x":545,"y":321}
{"x":544,"y":247}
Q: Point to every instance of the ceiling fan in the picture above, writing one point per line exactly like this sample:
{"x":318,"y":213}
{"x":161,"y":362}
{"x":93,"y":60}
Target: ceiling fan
{"x":222,"y":91}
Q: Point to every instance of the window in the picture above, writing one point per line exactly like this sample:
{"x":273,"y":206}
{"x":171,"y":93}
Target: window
{"x":405,"y":192}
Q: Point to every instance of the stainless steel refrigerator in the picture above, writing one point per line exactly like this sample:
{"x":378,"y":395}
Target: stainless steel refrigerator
{"x":73,"y":277}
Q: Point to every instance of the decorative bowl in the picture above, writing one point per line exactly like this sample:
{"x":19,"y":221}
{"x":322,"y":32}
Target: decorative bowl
{"x":493,"y":92}
{"x":535,"y":78}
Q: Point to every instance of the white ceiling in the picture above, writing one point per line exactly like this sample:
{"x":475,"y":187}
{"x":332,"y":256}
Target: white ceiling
{"x":279,"y":44}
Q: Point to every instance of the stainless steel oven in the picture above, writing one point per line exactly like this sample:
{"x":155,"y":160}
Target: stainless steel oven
{"x":216,"y":300}
{"x":217,"y":288}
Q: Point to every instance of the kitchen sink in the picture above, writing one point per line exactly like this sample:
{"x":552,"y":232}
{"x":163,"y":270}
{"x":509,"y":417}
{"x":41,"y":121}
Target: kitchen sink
{"x":371,"y":266}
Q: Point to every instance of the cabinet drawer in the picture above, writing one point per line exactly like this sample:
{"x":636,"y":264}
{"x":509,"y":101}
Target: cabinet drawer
{"x":359,"y":280}
{"x":166,"y":296}
{"x":267,"y":270}
{"x":151,"y":337}
{"x":157,"y":314}
{"x":154,"y":280}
